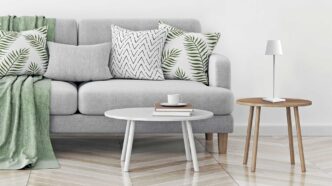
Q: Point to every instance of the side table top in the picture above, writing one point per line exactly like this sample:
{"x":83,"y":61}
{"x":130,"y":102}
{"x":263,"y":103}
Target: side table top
{"x":290,"y":102}
{"x":145,"y":114}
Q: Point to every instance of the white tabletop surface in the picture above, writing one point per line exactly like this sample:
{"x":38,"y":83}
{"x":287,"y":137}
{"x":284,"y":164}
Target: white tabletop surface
{"x":145,"y":114}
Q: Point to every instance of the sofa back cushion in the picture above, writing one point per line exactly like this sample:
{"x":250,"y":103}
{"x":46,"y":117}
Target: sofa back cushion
{"x":94,"y":31}
{"x":66,"y":31}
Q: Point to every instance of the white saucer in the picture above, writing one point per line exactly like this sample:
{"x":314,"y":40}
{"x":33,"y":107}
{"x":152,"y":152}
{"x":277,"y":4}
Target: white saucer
{"x":173,"y":105}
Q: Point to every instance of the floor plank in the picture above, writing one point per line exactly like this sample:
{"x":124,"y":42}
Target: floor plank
{"x":273,"y":162}
{"x":160,"y":160}
{"x":14,"y":177}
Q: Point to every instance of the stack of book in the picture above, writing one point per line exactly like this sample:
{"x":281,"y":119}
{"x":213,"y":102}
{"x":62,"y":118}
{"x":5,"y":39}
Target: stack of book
{"x":160,"y":110}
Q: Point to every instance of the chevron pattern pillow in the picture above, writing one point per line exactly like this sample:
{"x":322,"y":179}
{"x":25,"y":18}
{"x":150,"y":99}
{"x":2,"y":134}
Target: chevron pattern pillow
{"x":137,"y":54}
{"x":186,"y":54}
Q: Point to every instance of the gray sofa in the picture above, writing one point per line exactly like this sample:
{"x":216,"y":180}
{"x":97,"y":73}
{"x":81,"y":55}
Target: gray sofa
{"x":79,"y":107}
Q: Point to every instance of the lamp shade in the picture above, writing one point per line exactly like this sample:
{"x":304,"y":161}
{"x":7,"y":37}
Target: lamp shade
{"x":273,"y":47}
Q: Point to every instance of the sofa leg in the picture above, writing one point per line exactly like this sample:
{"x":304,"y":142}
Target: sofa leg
{"x":222,"y":142}
{"x":208,"y":136}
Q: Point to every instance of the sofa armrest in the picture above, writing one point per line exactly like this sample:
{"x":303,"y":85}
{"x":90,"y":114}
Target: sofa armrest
{"x":219,"y":71}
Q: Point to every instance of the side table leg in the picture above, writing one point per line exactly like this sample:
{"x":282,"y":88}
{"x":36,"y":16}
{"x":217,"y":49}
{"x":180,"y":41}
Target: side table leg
{"x":246,"y":147}
{"x":185,"y":140}
{"x":125,"y":141}
{"x":129,"y":145}
{"x":299,"y":138}
{"x":290,"y":135}
{"x":192,"y":146}
{"x":254,"y":150}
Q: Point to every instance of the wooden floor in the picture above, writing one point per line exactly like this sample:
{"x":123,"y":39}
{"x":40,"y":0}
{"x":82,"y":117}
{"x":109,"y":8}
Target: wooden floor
{"x":160,"y":160}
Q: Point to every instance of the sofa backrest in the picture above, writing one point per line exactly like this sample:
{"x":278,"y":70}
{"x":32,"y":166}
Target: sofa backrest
{"x":94,"y":31}
{"x":66,"y":31}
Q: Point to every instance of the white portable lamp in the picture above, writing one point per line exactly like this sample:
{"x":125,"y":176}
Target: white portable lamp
{"x":273,"y":47}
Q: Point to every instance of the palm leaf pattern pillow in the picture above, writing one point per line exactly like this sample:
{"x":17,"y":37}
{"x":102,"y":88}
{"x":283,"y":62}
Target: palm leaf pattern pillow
{"x":23,"y":53}
{"x":186,"y":54}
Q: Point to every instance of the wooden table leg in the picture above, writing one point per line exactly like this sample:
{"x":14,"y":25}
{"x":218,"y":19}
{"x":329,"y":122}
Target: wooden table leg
{"x":254,"y":150}
{"x":290,"y":135}
{"x":299,"y":138}
{"x":246,"y":147}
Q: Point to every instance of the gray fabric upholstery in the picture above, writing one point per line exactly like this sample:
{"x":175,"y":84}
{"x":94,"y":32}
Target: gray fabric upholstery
{"x":97,"y":97}
{"x":78,"y":63}
{"x":219,"y":71}
{"x":63,"y":98}
{"x":79,"y":123}
{"x":66,"y":31}
{"x":95,"y":31}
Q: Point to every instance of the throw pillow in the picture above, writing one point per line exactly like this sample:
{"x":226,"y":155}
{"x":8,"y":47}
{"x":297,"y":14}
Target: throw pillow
{"x":137,"y":54}
{"x":23,"y":53}
{"x":79,"y":63}
{"x":186,"y":54}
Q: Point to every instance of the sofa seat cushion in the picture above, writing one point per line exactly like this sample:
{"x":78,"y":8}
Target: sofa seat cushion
{"x":94,"y":98}
{"x":63,"y":98}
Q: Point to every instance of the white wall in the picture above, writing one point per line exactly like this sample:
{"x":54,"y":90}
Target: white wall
{"x":304,"y":26}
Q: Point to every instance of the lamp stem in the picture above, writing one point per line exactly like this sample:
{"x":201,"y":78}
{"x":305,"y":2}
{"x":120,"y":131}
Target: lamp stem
{"x":274,"y":60}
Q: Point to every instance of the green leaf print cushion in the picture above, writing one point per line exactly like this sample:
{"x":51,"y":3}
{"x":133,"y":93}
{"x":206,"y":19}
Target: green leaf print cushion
{"x":186,"y":54}
{"x":23,"y":53}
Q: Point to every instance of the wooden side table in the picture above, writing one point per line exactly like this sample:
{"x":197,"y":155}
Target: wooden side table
{"x":258,"y":103}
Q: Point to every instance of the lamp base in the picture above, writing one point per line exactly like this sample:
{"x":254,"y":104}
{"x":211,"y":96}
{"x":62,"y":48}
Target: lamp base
{"x":274,"y":100}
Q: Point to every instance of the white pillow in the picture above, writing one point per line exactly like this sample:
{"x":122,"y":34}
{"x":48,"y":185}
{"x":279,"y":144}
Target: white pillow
{"x":186,"y":54}
{"x":23,"y":52}
{"x":137,"y":54}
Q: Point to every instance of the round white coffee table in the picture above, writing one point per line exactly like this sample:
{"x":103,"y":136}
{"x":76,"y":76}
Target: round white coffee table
{"x":145,"y":114}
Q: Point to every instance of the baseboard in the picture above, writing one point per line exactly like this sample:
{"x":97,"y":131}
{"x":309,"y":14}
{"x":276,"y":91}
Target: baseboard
{"x":281,"y":130}
{"x":239,"y":130}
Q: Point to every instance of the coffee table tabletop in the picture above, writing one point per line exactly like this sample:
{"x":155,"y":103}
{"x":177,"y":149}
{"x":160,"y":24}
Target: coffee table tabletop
{"x":145,"y":114}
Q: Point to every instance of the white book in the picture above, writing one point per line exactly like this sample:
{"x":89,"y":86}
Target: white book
{"x":173,"y":110}
{"x":155,"y":113}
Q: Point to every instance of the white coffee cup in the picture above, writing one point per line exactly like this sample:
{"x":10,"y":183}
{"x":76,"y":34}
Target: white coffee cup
{"x":173,"y":99}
